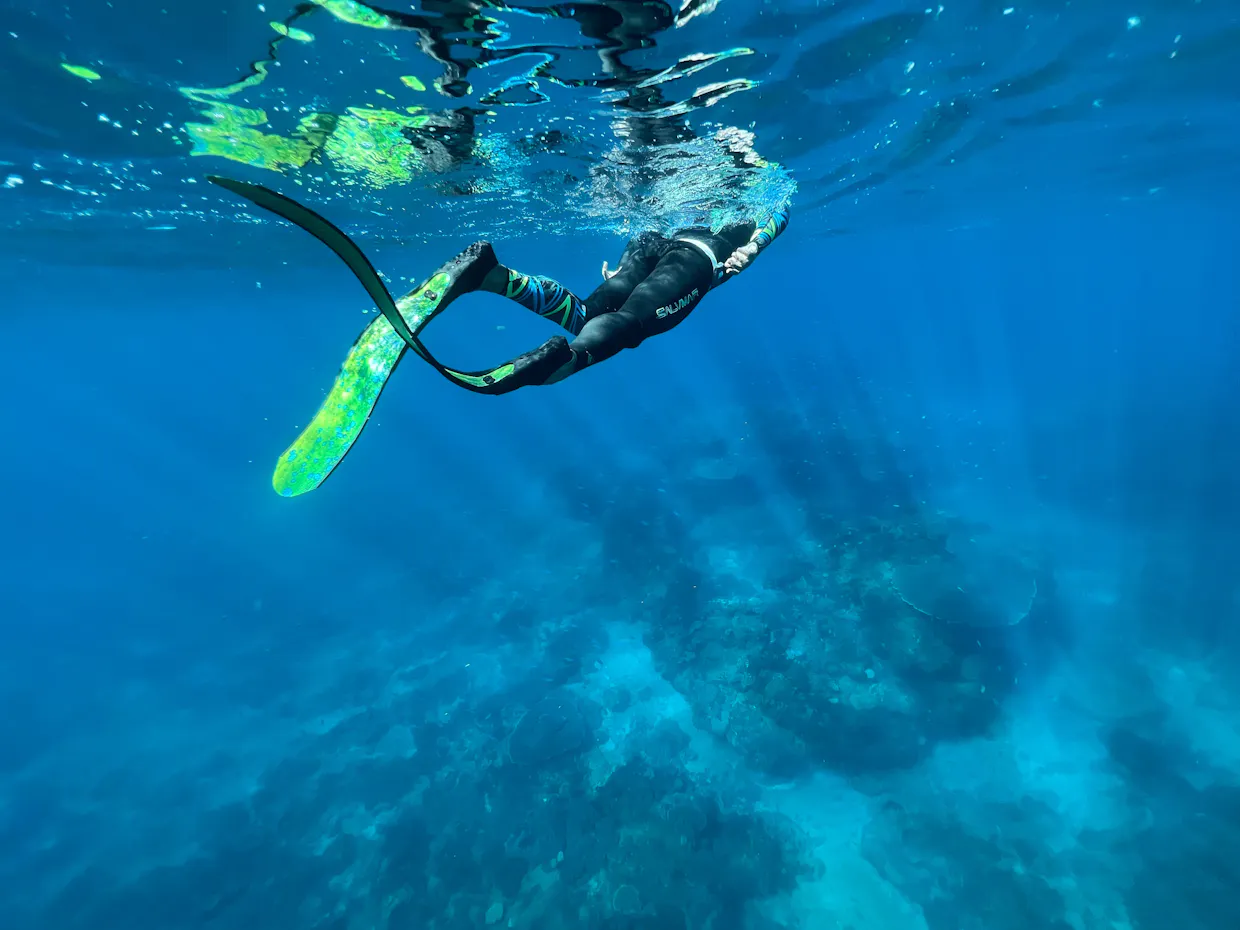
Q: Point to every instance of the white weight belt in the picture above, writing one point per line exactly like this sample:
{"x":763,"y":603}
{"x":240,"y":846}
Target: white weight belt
{"x":704,"y":249}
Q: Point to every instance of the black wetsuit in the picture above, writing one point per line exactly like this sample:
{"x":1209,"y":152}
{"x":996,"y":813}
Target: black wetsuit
{"x":659,"y":281}
{"x":657,"y":284}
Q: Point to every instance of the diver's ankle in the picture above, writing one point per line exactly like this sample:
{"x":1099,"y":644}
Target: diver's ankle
{"x":496,"y":280}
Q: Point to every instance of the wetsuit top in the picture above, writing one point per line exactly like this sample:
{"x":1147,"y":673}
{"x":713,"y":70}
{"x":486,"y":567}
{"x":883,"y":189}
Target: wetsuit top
{"x":733,"y":236}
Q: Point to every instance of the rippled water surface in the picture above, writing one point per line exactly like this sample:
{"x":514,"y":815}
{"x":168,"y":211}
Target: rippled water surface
{"x":604,"y":115}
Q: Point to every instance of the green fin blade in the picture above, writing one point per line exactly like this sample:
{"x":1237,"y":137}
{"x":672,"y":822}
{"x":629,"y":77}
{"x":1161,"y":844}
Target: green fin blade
{"x":322,"y":445}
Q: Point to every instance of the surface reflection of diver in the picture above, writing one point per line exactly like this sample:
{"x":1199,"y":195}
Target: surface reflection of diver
{"x":437,"y":141}
{"x":660,"y":280}
{"x":388,"y":145}
{"x":444,"y":140}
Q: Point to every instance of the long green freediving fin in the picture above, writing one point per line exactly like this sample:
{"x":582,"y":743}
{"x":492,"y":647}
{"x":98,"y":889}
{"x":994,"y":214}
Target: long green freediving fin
{"x":324,"y":443}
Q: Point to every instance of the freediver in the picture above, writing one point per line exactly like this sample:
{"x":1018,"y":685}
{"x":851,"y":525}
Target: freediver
{"x":658,"y":283}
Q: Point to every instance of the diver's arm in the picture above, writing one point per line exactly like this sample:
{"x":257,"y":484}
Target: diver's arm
{"x":775,"y":225}
{"x":762,"y":236}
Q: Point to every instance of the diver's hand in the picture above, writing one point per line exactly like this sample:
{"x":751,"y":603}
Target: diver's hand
{"x":739,"y":260}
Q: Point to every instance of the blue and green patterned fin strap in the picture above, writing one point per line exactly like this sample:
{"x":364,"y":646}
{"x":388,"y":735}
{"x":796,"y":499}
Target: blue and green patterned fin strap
{"x":549,"y":299}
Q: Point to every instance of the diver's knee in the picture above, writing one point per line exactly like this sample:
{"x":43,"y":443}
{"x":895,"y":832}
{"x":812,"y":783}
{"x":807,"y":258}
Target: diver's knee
{"x":631,"y":334}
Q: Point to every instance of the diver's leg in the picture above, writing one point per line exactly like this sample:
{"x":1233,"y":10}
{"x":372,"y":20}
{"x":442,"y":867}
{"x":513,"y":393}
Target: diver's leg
{"x":552,"y":300}
{"x":557,"y":358}
{"x":678,"y":282}
{"x":649,"y":273}
{"x":548,"y":298}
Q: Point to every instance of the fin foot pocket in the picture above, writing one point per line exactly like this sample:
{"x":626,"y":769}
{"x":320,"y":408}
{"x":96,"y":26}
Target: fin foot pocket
{"x":460,"y":275}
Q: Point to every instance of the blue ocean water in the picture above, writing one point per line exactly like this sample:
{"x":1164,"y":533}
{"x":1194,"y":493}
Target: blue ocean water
{"x":895,"y":588}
